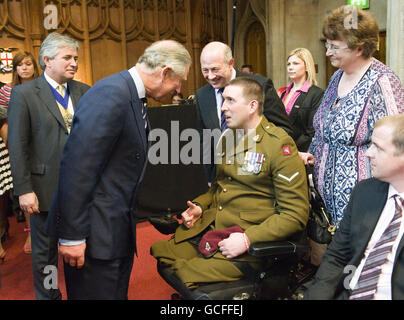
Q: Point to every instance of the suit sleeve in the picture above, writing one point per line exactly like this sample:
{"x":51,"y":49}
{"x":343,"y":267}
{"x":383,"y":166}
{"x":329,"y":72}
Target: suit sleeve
{"x":19,"y":134}
{"x":274,"y":109}
{"x":97,"y":125}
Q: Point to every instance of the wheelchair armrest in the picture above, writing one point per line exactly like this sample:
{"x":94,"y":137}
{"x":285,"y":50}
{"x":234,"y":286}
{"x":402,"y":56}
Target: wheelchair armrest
{"x":276,"y":248}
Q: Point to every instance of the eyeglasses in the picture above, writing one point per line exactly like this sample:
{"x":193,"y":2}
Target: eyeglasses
{"x":332,"y":48}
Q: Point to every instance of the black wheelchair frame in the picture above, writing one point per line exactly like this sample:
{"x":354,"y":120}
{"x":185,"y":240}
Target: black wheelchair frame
{"x":281,"y":279}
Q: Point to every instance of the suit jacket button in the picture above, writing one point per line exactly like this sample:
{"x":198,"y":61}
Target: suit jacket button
{"x":137,"y":156}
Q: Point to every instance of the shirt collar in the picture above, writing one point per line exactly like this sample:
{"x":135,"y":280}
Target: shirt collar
{"x":52,"y":82}
{"x":141,"y":90}
{"x":233,"y":74}
{"x":305,"y":88}
{"x":393,"y":191}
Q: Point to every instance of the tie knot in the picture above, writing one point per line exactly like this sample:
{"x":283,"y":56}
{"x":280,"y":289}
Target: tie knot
{"x":399,"y":200}
{"x":60,"y":89}
{"x":221,"y":90}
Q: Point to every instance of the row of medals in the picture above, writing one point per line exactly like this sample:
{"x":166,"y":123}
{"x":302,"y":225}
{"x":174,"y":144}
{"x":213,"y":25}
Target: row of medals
{"x":253,"y":162}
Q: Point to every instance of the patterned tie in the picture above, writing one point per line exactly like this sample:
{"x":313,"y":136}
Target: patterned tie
{"x":367,"y":283}
{"x":223,"y":124}
{"x":144,"y":111}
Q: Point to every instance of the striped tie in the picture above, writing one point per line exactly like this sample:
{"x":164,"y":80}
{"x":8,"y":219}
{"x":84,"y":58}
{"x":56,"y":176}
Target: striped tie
{"x":144,"y":111}
{"x":367,"y":283}
{"x":223,"y":125}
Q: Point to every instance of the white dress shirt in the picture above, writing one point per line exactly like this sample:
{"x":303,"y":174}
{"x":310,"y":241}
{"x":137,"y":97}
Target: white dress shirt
{"x":383,"y":291}
{"x":219,"y":98}
{"x":55,"y":85}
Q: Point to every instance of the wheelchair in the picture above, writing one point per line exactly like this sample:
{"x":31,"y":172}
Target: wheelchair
{"x":281,"y":277}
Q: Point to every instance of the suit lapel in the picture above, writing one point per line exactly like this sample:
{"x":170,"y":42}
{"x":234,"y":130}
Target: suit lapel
{"x":74,"y":93}
{"x":295,"y":111}
{"x":209,"y":108}
{"x":45,"y":94}
{"x":136,"y":104}
{"x":399,"y":249}
{"x":372,"y":206}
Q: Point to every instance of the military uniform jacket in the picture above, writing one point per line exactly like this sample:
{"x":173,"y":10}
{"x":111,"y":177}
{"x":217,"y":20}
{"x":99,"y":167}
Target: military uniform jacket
{"x":270,"y":204}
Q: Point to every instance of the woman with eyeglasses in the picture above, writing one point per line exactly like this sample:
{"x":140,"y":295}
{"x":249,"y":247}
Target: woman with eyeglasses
{"x":362,"y":91}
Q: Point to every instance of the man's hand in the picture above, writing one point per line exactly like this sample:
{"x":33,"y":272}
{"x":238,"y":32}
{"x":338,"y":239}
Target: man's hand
{"x":191,"y":215}
{"x":73,"y":255}
{"x":234,"y":246}
{"x":29,"y":203}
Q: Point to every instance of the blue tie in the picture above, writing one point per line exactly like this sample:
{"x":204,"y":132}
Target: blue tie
{"x":223,"y":124}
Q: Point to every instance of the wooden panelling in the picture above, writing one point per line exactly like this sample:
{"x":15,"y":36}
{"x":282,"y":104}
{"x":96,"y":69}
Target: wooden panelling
{"x":255,"y":48}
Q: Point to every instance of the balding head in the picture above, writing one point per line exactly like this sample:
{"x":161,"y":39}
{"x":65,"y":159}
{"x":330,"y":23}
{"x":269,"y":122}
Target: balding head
{"x":218,"y":49}
{"x":217,"y":64}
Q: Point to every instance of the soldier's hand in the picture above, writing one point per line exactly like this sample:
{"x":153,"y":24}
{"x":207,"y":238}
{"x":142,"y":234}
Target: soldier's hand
{"x":191,"y":215}
{"x":235,"y":245}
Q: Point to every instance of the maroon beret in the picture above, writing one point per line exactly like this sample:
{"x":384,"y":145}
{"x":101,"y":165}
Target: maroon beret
{"x":208,"y":245}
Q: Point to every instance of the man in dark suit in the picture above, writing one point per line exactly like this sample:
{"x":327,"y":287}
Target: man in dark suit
{"x":38,"y":128}
{"x":365,"y":260}
{"x":217,"y":68}
{"x":102,"y":168}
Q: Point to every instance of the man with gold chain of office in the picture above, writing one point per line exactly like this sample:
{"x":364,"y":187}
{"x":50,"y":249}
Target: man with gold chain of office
{"x":61,"y":94}
{"x":259,"y":194}
{"x":40,"y":115}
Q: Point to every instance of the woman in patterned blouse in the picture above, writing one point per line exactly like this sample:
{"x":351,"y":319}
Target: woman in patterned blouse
{"x":362,"y":91}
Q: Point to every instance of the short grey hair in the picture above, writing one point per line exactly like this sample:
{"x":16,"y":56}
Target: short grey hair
{"x":51,"y":45}
{"x":165,"y":53}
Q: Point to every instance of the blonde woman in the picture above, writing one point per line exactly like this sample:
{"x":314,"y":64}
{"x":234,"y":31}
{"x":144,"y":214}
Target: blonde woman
{"x":302,"y":97}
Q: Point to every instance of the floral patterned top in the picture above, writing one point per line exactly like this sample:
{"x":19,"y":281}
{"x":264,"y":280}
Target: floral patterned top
{"x":343,"y":129}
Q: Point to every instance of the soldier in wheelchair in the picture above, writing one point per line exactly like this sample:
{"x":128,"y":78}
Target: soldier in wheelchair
{"x":260,"y":195}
